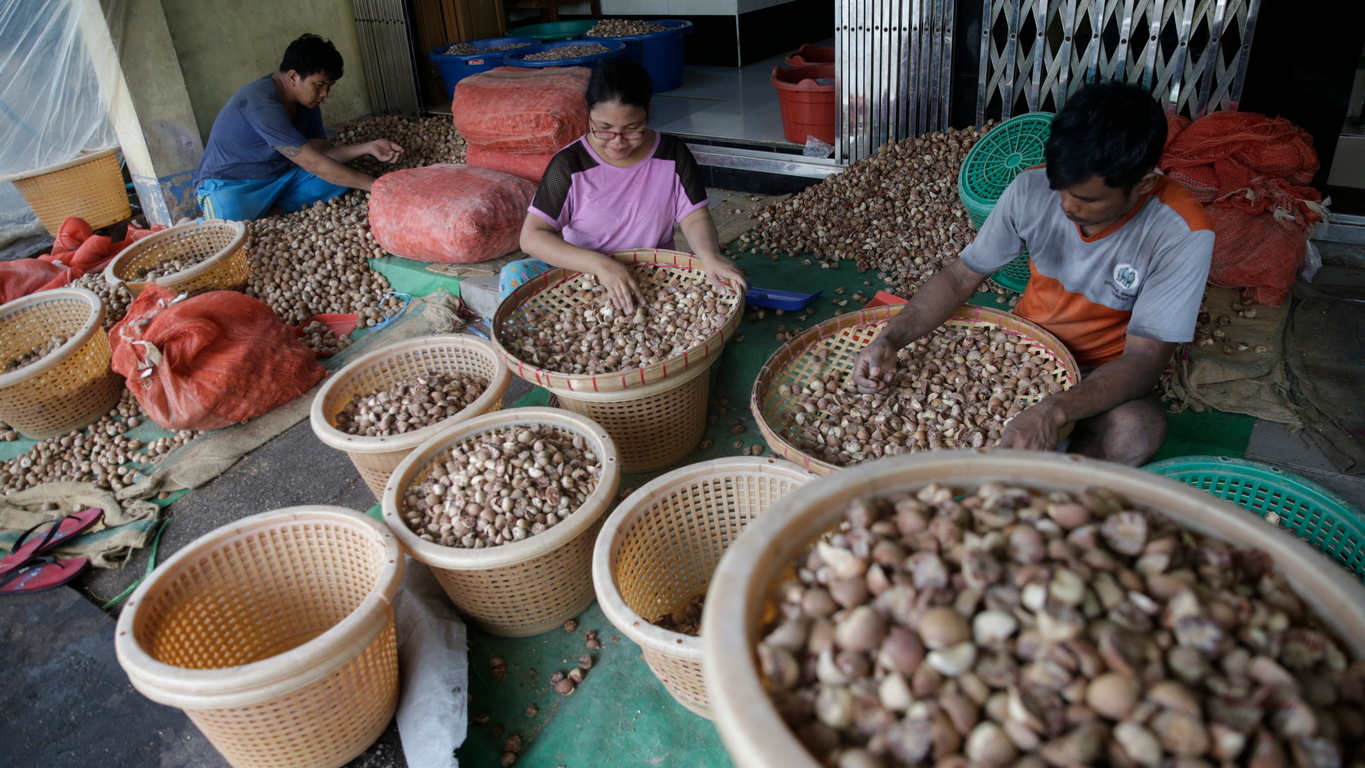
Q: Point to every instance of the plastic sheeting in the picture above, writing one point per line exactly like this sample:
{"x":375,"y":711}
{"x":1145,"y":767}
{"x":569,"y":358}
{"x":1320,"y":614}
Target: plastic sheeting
{"x":51,"y":108}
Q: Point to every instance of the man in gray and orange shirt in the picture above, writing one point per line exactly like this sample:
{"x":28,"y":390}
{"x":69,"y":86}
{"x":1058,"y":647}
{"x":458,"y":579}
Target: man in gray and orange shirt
{"x":1119,"y":256}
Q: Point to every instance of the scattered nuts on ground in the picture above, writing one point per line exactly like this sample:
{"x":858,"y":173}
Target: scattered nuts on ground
{"x":33,"y":355}
{"x":101,"y":453}
{"x":532,"y":711}
{"x":507,"y":759}
{"x":686,"y":623}
{"x":571,"y":625}
{"x":576,"y":675}
{"x":673,"y":318}
{"x":1011,"y":627}
{"x":623,"y":28}
{"x":592,"y":644}
{"x":564,"y":687}
{"x":566,"y":52}
{"x":319,"y":337}
{"x":585,"y":661}
{"x":513,"y":744}
{"x":897,"y":212}
{"x":954,"y":388}
{"x":501,"y":487}
{"x":410,"y":403}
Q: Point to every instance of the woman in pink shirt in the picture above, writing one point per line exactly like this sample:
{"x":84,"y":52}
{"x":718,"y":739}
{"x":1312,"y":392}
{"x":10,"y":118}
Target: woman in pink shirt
{"x":620,"y":186}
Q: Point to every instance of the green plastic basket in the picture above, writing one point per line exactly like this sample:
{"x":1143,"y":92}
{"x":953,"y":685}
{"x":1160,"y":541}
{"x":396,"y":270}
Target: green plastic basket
{"x":1014,"y":275}
{"x":553,"y":31}
{"x":1303,"y":507}
{"x":1008,"y":150}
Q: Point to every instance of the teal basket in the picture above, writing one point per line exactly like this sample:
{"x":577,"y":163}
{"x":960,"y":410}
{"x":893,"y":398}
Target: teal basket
{"x":1008,"y":150}
{"x":1014,"y":275}
{"x":555,"y":30}
{"x":1304,"y":508}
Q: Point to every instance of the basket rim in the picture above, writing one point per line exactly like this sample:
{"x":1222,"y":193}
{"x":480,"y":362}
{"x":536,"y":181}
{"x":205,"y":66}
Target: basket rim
{"x":91,"y":156}
{"x":77,"y":340}
{"x":700,"y":354}
{"x":835,"y":325}
{"x":260,"y":681}
{"x":622,"y":616}
{"x":1331,"y":501}
{"x":753,"y":731}
{"x":189,"y":273}
{"x":516,"y":552}
{"x":335,"y":438}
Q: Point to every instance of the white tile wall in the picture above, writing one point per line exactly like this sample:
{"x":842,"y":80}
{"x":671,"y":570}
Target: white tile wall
{"x":635,"y":8}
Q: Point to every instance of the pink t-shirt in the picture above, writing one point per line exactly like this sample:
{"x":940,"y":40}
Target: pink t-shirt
{"x":603,"y":208}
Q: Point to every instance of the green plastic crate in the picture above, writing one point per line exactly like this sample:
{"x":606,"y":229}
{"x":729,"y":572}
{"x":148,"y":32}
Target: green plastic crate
{"x":1303,"y":507}
{"x":1006,"y":151}
{"x":553,"y":31}
{"x":1014,"y":275}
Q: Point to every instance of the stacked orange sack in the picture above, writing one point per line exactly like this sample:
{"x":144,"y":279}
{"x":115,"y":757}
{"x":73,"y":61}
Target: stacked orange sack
{"x":76,"y":252}
{"x":514,"y":120}
{"x":209,"y":361}
{"x":1252,"y":173}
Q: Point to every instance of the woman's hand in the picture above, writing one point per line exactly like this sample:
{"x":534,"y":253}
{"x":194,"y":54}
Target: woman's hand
{"x":384,"y":150}
{"x":875,"y":366}
{"x":1037,"y":428}
{"x":724,"y":274}
{"x":622,"y":290}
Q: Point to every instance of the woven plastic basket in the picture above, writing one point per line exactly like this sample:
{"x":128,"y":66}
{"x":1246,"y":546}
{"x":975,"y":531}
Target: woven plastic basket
{"x":222,"y":244}
{"x":656,"y":414}
{"x":275,"y":635}
{"x":1014,"y":275}
{"x":748,"y":576}
{"x":660,"y":546}
{"x":376,"y":457}
{"x":1306,"y":509}
{"x":69,"y":388}
{"x":90,"y":186}
{"x":794,"y":363}
{"x":525,"y":587}
{"x":992,"y":163}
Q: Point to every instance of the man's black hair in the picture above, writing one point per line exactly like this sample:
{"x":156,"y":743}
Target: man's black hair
{"x":1112,"y":130}
{"x":620,"y":80}
{"x":309,"y":55}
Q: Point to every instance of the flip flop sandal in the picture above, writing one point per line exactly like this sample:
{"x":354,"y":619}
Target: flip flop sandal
{"x":40,"y":574}
{"x":59,"y":530}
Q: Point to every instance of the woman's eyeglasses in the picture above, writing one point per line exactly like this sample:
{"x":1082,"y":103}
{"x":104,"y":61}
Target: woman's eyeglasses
{"x":609,"y":135}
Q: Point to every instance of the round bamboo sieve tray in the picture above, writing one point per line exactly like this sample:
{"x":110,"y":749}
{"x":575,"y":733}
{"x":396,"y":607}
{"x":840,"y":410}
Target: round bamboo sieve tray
{"x":843,"y":337}
{"x":376,"y":457}
{"x":524,"y":587}
{"x":275,"y":635}
{"x":221,"y":244}
{"x":69,"y":388}
{"x":660,"y":546}
{"x":90,"y":186}
{"x":761,"y":558}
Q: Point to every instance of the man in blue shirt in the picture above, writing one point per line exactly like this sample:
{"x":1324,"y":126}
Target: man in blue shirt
{"x":268,"y":147}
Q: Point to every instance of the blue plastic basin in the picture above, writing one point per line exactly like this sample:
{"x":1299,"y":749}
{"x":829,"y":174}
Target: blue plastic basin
{"x":661,"y":53}
{"x":456,"y":68}
{"x":517,"y":58}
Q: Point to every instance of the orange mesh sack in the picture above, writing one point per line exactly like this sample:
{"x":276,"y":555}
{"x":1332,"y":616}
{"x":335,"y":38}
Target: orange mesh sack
{"x":209,"y":361}
{"x":522,"y":111}
{"x":452,"y":214}
{"x":529,"y":167}
{"x":21,"y":277}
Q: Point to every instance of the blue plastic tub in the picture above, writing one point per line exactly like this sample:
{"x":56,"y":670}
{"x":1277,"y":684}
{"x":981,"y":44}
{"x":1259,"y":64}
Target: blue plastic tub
{"x":456,"y":68}
{"x":660,"y":52}
{"x":515,"y":58}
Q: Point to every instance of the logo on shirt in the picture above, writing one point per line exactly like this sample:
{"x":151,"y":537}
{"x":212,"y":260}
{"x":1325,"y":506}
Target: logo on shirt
{"x":1126,"y":277}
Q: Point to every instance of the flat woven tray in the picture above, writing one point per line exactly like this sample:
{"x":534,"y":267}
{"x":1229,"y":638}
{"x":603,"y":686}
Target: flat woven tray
{"x":794,"y":364}
{"x":221,"y":244}
{"x":552,"y":293}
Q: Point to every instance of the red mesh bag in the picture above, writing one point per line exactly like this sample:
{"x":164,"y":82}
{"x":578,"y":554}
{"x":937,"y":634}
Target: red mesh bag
{"x":522,"y":111}
{"x":452,"y":214}
{"x":1251,"y":173}
{"x":209,"y":361}
{"x":21,"y":277}
{"x":76,"y":251}
{"x":529,"y":167}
